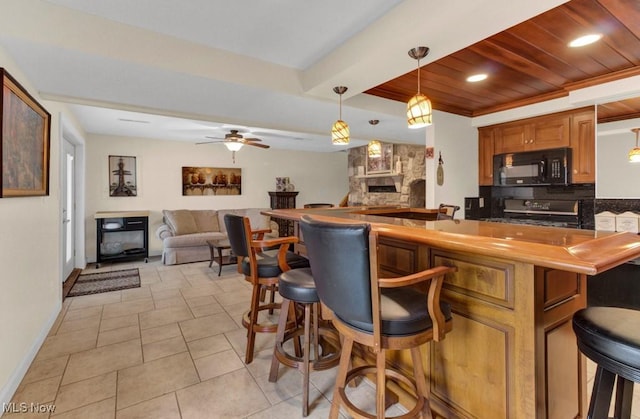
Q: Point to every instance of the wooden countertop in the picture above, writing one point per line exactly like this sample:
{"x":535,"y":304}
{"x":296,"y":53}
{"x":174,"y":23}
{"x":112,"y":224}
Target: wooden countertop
{"x":119,"y":214}
{"x":582,"y":251}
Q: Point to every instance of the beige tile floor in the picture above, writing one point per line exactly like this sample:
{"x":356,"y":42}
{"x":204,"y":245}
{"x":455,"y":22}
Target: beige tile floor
{"x":173,"y":348}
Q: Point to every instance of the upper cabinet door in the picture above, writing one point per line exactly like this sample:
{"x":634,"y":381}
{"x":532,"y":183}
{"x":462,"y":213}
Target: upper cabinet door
{"x":485,"y":154}
{"x":583,"y":144}
{"x":551,"y":132}
{"x":510,"y":138}
{"x":538,"y":134}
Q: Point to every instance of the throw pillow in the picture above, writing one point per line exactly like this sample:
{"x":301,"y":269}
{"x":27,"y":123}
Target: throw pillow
{"x":206,"y":220}
{"x":180,"y":221}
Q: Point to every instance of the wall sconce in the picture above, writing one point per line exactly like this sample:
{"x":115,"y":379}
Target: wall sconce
{"x":340,"y":129}
{"x":419,"y":106}
{"x":634,"y":154}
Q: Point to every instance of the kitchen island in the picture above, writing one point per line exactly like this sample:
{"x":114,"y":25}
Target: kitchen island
{"x":512,"y":352}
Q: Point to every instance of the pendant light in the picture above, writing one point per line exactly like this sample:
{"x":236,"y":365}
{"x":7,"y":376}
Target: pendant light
{"x":340,"y":129}
{"x":634,"y":154}
{"x":374,"y":148}
{"x":419,"y":106}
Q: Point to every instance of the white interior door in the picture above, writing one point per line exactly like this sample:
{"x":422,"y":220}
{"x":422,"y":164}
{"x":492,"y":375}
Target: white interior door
{"x":68,"y":209}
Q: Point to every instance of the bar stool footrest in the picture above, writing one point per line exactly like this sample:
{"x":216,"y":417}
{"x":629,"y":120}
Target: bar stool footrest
{"x":392,"y":375}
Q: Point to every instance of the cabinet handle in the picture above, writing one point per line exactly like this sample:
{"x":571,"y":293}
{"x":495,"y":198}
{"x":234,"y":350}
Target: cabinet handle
{"x":134,"y":222}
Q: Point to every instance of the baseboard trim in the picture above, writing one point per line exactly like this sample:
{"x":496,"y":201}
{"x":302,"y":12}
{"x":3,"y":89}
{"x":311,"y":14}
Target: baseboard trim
{"x":9,"y":389}
{"x":69,"y":282}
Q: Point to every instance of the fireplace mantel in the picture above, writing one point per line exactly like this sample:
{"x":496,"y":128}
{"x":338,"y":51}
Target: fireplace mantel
{"x":380,"y":175}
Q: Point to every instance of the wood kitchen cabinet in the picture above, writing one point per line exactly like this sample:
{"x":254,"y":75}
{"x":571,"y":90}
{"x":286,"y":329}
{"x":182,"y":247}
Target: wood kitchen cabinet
{"x":486,"y":139}
{"x":583,"y":144}
{"x":574,"y":129}
{"x":534,"y":134}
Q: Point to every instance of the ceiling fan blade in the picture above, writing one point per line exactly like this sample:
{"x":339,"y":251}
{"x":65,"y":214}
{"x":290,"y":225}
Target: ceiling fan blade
{"x":258,"y":145}
{"x":209,"y":142}
{"x":252,"y":139}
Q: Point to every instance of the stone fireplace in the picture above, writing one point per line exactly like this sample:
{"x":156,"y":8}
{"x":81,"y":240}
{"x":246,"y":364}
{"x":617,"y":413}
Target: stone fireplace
{"x":404,"y":185}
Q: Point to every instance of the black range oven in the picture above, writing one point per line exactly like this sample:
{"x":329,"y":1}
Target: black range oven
{"x":542,"y":212}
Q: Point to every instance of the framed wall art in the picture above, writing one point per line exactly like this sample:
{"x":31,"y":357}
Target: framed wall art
{"x":24,"y":142}
{"x":122,"y":176}
{"x":211,"y":181}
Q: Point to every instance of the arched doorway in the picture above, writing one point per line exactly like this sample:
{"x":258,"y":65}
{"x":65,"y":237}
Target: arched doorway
{"x":417,"y":194}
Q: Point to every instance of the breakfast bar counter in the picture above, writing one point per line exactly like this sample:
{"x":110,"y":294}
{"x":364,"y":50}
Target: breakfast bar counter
{"x":512,"y":352}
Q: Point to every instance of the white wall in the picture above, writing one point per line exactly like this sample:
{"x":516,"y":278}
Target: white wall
{"x":457,"y":140}
{"x":319,"y":177}
{"x":30,"y":258}
{"x":616,"y":177}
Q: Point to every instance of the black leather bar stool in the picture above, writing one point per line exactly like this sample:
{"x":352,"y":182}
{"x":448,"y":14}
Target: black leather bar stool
{"x":610,"y":337}
{"x":297,"y":287}
{"x":380,"y":313}
{"x":261,"y":261}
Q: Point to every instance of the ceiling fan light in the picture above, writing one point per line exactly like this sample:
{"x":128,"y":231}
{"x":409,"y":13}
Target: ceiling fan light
{"x":340,"y":133}
{"x":233,"y":145}
{"x":419,"y":111}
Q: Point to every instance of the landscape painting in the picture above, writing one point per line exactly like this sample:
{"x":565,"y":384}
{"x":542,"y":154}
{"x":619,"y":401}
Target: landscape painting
{"x":24,"y":142}
{"x":211,"y":181}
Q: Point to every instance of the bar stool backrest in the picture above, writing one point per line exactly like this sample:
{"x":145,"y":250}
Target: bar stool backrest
{"x":239,"y":238}
{"x":339,"y":259}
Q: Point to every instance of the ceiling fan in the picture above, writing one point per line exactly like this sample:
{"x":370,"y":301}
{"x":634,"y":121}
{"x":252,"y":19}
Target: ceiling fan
{"x":234,"y":142}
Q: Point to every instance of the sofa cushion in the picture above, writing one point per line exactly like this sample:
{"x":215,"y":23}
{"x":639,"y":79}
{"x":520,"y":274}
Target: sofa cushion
{"x":180,"y":221}
{"x":191,"y":240}
{"x":206,"y":220}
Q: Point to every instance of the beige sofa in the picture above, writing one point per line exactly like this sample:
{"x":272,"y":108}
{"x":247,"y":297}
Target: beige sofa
{"x":184,"y":233}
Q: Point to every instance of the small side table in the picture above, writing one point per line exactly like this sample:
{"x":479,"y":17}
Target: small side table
{"x":218,"y":246}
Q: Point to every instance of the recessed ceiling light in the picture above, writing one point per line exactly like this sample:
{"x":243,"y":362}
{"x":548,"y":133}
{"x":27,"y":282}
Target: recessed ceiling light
{"x":476,"y":78}
{"x":585,"y":40}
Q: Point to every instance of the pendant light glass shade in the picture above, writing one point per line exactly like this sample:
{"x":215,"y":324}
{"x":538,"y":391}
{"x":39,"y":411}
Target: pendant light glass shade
{"x":634,"y":154}
{"x":340,"y":129}
{"x":419,"y":111}
{"x":340,"y":133}
{"x":374,"y":148}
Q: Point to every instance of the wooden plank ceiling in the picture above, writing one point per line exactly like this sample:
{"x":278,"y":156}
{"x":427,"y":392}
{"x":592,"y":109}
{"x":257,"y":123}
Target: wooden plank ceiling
{"x":531,"y":62}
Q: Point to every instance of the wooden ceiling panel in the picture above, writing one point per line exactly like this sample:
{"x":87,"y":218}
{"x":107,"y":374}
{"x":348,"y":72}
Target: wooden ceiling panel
{"x":620,"y":110}
{"x":531,"y":61}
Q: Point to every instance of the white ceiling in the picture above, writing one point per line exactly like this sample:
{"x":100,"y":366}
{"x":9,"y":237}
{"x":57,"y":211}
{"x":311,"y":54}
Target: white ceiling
{"x":196,"y":68}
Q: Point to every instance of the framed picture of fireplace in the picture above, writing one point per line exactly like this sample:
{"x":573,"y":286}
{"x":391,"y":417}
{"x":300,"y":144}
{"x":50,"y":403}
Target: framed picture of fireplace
{"x":381,"y":159}
{"x":24,"y":142}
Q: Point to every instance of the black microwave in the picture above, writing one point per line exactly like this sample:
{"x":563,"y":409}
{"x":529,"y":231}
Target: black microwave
{"x":530,"y":168}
